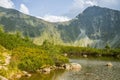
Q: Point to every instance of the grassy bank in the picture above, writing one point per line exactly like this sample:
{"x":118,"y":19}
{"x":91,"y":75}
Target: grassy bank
{"x":26,"y":56}
{"x":91,"y":52}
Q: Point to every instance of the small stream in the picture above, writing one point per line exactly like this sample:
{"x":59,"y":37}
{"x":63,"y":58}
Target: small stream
{"x":91,"y":70}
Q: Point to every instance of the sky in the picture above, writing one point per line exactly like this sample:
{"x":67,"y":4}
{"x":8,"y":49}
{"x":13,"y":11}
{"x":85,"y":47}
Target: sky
{"x":56,"y":10}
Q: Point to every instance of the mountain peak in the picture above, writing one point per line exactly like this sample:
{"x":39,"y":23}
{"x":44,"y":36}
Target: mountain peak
{"x":94,"y":9}
{"x":97,"y":10}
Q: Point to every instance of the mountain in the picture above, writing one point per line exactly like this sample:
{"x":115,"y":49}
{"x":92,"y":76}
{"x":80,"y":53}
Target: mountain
{"x":38,"y":29}
{"x":14,"y":20}
{"x":94,"y":27}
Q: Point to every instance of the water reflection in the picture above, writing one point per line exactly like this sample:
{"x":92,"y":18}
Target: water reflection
{"x":91,"y":70}
{"x":54,"y":75}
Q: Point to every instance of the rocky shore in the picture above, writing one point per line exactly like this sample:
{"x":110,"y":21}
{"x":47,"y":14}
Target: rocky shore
{"x":67,"y":66}
{"x":47,"y":70}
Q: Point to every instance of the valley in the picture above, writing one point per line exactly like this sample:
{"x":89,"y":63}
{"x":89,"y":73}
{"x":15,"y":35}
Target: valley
{"x":30,"y":46}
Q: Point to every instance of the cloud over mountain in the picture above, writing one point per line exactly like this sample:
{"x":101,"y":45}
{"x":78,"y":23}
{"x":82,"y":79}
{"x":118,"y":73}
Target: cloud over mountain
{"x":53,"y":18}
{"x":82,"y":4}
{"x":79,"y":5}
{"x":6,"y":4}
{"x":24,"y":9}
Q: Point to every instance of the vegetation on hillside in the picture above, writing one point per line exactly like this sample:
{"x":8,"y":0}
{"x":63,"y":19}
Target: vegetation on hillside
{"x":95,"y":26}
{"x":27,"y":56}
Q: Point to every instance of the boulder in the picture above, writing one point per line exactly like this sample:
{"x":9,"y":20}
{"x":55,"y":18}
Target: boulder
{"x":53,"y":67}
{"x":85,"y":56}
{"x":67,"y":66}
{"x":65,"y":54}
{"x":18,"y":76}
{"x":109,"y":64}
{"x":75,"y":66}
{"x":46,"y":70}
{"x":39,"y":70}
{"x":72,"y":66}
{"x":26,"y":74}
{"x":3,"y":78}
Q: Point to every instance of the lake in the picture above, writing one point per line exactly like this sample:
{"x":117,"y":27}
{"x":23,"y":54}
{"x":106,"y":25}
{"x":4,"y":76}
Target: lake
{"x":91,"y":70}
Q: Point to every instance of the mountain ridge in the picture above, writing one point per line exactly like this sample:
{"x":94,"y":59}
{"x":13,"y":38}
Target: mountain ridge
{"x":95,"y":27}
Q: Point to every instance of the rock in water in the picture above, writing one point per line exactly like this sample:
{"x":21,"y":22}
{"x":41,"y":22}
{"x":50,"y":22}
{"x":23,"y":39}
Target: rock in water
{"x":85,"y":56}
{"x":46,"y":70}
{"x":67,"y":66}
{"x":75,"y":66}
{"x":109,"y":64}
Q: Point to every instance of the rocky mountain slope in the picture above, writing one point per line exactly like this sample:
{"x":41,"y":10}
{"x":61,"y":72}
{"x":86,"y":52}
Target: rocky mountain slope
{"x":94,"y":27}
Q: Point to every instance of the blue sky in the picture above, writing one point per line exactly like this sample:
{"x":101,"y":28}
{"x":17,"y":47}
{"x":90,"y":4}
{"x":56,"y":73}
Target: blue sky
{"x":56,"y":10}
{"x":42,"y":7}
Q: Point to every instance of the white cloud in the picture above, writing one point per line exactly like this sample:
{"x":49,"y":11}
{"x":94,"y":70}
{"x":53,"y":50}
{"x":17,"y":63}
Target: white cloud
{"x":82,"y":4}
{"x":91,"y":3}
{"x":113,"y":4}
{"x":52,"y":18}
{"x":79,"y":6}
{"x":6,"y":4}
{"x":24,"y":9}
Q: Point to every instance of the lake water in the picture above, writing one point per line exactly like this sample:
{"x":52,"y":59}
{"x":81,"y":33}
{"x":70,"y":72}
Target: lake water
{"x":91,"y":70}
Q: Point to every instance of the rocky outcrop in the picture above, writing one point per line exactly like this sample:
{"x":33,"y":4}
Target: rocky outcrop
{"x":3,"y":78}
{"x":7,"y":60}
{"x":26,"y":74}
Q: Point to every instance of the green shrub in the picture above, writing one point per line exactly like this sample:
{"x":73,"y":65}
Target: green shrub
{"x":31,"y":59}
